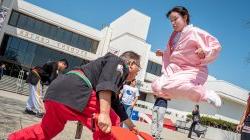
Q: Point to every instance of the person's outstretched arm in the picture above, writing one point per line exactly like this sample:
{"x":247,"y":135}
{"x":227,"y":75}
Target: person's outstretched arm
{"x":104,"y":122}
{"x":243,"y":118}
{"x":130,"y":125}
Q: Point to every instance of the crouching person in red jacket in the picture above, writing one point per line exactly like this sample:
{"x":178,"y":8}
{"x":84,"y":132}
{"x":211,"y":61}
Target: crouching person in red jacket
{"x":89,"y":89}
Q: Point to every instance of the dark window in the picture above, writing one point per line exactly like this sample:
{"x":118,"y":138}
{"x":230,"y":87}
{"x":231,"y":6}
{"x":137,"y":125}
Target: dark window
{"x":154,"y":68}
{"x":48,"y":30}
{"x":149,"y":66}
{"x":59,"y":34}
{"x":88,"y":44}
{"x":38,"y":25}
{"x":81,"y":43}
{"x":74,"y":39}
{"x":23,"y":45}
{"x":9,"y":41}
{"x":22,"y":21}
{"x":142,"y":96}
{"x":67,"y":35}
{"x":11,"y":54}
{"x":45,"y":28}
{"x":158,"y":70}
{"x":30,"y":54}
{"x":30,"y":24}
{"x":94,"y":46}
{"x":14,"y":18}
{"x":53,"y":32}
{"x":14,"y":43}
{"x":11,"y":51}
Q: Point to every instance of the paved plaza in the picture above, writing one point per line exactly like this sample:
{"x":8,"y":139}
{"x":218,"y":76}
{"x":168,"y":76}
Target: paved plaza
{"x":12,"y":118}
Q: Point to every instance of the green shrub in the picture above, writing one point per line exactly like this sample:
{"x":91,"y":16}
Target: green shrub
{"x":217,"y":123}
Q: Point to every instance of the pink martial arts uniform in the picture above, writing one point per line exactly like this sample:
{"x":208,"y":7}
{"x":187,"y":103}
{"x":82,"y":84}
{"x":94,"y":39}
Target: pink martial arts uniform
{"x":184,"y":73}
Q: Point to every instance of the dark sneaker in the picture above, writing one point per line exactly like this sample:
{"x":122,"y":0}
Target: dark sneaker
{"x":39,"y":115}
{"x":27,"y":111}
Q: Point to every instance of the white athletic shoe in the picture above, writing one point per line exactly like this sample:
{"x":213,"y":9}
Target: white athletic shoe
{"x":213,"y":99}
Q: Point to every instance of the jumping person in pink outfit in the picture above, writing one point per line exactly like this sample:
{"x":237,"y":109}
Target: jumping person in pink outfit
{"x":189,"y":51}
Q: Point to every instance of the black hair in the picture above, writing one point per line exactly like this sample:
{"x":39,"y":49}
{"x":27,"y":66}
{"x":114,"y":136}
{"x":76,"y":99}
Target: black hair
{"x":197,"y":106}
{"x":129,"y":82}
{"x":181,"y":10}
{"x":65,"y":62}
{"x":128,"y":55}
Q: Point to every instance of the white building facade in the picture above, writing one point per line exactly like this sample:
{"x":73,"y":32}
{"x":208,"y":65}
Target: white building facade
{"x":31,"y":35}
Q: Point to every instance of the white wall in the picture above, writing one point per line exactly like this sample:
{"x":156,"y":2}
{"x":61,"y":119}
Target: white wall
{"x":150,"y":98}
{"x":154,"y":58}
{"x":128,"y":42}
{"x":105,"y":42}
{"x":132,"y":22}
{"x":6,"y":3}
{"x":129,"y":33}
{"x":231,"y":109}
{"x":228,"y":90}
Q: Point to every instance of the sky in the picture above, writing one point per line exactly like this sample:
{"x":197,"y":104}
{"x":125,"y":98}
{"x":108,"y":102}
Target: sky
{"x":228,"y":21}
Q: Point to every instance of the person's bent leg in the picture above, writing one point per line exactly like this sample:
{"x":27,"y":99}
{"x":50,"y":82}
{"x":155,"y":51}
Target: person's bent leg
{"x":154,"y":124}
{"x":29,"y":103}
{"x":33,"y":132}
{"x":161,"y":114}
{"x":52,"y":123}
{"x":129,"y":110}
{"x":37,"y":99}
{"x":180,"y":87}
{"x":54,"y":119}
{"x":191,"y":129}
{"x":86,"y":118}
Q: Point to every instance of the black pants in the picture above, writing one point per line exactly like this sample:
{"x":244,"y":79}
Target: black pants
{"x":191,"y":129}
{"x":1,"y":74}
{"x":245,"y":134}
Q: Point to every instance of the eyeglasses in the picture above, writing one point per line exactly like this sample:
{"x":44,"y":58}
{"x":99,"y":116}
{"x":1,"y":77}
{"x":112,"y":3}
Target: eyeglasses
{"x":137,"y":64}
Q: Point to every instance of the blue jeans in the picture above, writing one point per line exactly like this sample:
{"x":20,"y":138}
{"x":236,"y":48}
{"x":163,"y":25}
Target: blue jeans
{"x":1,"y":73}
{"x":129,"y":110}
{"x":157,"y":121}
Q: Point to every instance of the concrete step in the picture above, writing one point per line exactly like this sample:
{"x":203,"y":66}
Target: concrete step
{"x":10,"y":84}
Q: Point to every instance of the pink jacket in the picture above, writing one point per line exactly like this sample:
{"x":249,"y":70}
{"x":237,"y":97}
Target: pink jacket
{"x":183,"y":71}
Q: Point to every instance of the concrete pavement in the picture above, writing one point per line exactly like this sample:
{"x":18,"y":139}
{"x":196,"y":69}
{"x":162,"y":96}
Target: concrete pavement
{"x":12,"y":118}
